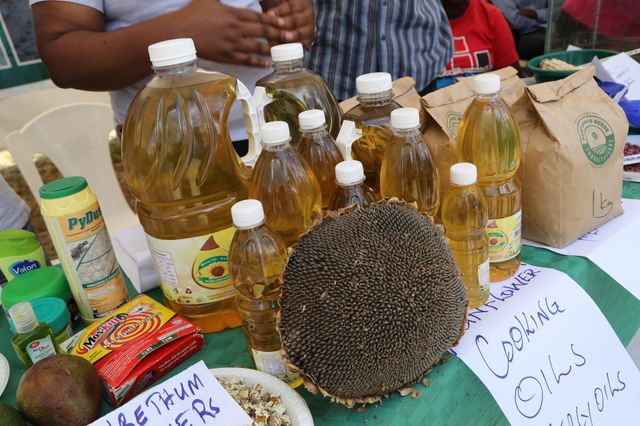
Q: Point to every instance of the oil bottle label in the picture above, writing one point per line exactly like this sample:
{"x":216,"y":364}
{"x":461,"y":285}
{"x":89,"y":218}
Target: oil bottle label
{"x":272,"y":363}
{"x":40,"y":349}
{"x":194,"y":271}
{"x":90,"y":262}
{"x":504,"y":237}
{"x":483,"y":277}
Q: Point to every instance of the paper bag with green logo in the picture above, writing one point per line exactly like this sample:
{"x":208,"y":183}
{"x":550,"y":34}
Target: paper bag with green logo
{"x":444,"y":110}
{"x":572,"y":138}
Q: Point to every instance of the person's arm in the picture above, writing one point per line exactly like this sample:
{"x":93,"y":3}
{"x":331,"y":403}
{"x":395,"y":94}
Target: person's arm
{"x":295,"y":15}
{"x":517,"y":20}
{"x":79,"y":53}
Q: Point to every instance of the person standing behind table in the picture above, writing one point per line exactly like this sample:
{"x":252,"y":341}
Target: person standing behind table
{"x":482,"y":39}
{"x":528,"y":19}
{"x":401,"y":37}
{"x":102,"y":44}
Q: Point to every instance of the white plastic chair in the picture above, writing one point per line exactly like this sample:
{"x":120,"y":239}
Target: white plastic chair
{"x":74,"y":137}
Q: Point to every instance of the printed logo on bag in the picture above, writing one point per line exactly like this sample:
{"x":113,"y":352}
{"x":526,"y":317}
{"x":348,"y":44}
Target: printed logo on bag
{"x":596,"y":137}
{"x":453,"y":123}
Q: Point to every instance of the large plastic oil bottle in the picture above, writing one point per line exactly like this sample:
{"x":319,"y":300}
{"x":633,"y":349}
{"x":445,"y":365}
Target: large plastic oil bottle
{"x":257,"y":257}
{"x":319,"y":149}
{"x":285,"y":185}
{"x":489,"y":138}
{"x":372,"y":116}
{"x":293,"y":88}
{"x":464,"y":216}
{"x":409,"y":169}
{"x":185,"y":176}
{"x":351,"y":189}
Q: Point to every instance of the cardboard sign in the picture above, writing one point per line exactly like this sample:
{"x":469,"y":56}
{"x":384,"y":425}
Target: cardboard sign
{"x":192,"y":398}
{"x":548,"y":355}
{"x":612,"y":246}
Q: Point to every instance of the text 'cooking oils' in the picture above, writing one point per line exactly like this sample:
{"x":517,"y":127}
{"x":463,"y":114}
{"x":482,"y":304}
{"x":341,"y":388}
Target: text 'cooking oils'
{"x":185,"y":175}
{"x":489,"y":138}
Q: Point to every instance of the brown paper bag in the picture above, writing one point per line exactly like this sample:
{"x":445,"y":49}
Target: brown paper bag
{"x":444,"y":110}
{"x":572,"y":138}
{"x":404,"y":93}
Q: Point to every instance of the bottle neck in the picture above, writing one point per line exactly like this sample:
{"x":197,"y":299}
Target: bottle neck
{"x":315,"y":131}
{"x":350,"y":185}
{"x":25,"y":325}
{"x":250,"y":228}
{"x":293,"y":65}
{"x":184,"y":68}
{"x":276,"y":147}
{"x":406,"y":132}
{"x":488,"y":96}
{"x":375,"y":99}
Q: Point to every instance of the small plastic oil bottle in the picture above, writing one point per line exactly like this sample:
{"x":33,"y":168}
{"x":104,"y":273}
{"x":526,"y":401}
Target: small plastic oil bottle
{"x":464,"y":216}
{"x":320,"y":150}
{"x":489,"y":138}
{"x":33,"y":341}
{"x":285,"y":185}
{"x":257,"y":257}
{"x":408,"y":169}
{"x":372,"y":117}
{"x":351,"y":188}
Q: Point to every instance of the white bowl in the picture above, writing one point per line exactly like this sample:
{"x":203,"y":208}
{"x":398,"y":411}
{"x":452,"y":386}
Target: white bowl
{"x":4,"y":373}
{"x":297,"y":408}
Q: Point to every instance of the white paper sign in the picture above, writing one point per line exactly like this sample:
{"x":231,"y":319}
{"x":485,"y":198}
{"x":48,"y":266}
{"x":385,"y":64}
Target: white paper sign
{"x":620,"y":68}
{"x":191,"y":398}
{"x":613,"y":247}
{"x":548,"y":355}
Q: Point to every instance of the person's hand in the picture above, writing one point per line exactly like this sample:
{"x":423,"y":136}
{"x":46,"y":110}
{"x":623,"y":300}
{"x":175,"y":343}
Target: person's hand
{"x":232,"y":35}
{"x":295,"y":17}
{"x":529,"y":13}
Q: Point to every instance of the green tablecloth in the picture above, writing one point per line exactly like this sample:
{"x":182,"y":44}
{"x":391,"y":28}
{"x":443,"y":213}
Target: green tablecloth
{"x":455,"y":397}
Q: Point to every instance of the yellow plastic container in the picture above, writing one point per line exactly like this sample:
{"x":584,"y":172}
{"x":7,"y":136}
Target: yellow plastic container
{"x":79,"y":234}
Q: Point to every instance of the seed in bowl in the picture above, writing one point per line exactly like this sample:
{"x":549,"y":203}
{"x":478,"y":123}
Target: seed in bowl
{"x":263,"y":408}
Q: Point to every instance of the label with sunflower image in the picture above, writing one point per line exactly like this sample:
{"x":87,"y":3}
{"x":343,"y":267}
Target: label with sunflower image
{"x":194,"y":270}
{"x":505,"y":238}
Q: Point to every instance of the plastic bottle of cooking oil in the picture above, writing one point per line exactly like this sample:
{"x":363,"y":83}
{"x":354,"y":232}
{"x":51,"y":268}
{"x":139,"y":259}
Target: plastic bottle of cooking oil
{"x":294,"y":88}
{"x":319,"y":149}
{"x":351,"y":188}
{"x":285,"y":185}
{"x":257,"y":257}
{"x":464,"y":216}
{"x":185,"y":175}
{"x":408,"y":169}
{"x":489,"y":138}
{"x":372,"y":117}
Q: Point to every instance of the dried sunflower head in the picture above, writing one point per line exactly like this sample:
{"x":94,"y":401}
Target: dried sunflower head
{"x":371,"y":298}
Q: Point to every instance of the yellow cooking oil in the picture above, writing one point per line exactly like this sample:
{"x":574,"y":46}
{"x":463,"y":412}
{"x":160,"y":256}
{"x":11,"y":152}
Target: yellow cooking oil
{"x":182,"y":170}
{"x":292,"y":88}
{"x":372,"y":118}
{"x":409,"y":170}
{"x":257,"y":257}
{"x":285,"y":185}
{"x":464,"y":217}
{"x":489,"y":138}
{"x":351,"y":189}
{"x":319,"y":149}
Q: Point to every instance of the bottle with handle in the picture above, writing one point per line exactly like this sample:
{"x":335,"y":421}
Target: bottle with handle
{"x":185,"y":176}
{"x":489,"y":138}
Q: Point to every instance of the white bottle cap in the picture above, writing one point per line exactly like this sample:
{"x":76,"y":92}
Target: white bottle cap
{"x":23,"y":317}
{"x":349,"y":172}
{"x":275,"y":132}
{"x":405,"y":118}
{"x":486,"y":84}
{"x":247,"y":214}
{"x":287,"y":52}
{"x":374,"y":82}
{"x":172,"y":52}
{"x":463,"y":174}
{"x":311,"y":119}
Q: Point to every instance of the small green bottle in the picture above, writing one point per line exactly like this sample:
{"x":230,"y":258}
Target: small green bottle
{"x":33,"y":341}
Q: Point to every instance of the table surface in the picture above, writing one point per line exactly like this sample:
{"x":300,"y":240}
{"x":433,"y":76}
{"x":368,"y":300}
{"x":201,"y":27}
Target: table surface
{"x":455,"y":394}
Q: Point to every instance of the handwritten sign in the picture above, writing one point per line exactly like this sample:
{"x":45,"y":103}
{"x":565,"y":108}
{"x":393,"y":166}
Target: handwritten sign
{"x":613,"y":247}
{"x":191,"y":398}
{"x":548,"y":355}
{"x":622,"y":69}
